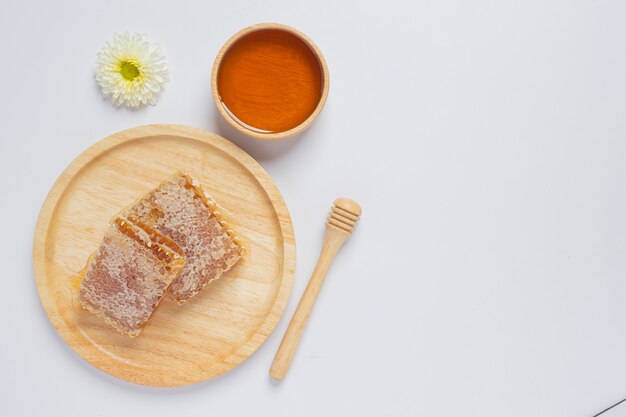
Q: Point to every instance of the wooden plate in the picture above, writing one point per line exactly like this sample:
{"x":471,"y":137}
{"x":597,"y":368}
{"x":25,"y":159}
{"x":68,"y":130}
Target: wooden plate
{"x":218,"y":328}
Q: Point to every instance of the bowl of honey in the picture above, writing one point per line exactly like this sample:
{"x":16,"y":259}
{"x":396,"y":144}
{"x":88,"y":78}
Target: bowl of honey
{"x":270,"y":81}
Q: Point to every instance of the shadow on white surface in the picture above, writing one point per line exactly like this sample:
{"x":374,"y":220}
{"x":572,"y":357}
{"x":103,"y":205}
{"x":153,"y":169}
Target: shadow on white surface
{"x":259,"y":149}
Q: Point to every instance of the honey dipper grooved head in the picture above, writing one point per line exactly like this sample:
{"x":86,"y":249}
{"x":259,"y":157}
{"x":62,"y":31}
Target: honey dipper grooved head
{"x":348,"y":205}
{"x":344,"y":214}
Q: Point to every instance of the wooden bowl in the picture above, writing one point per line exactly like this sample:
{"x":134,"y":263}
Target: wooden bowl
{"x":270,"y":136}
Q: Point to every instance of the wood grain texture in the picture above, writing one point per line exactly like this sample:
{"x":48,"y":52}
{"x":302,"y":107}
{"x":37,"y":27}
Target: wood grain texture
{"x":342,"y":220}
{"x":271,"y":135}
{"x":223,"y":324}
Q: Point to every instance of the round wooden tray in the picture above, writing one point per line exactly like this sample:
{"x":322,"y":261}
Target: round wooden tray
{"x":219,"y":327}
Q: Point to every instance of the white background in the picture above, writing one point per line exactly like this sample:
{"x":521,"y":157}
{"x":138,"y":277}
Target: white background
{"x":486,"y":141}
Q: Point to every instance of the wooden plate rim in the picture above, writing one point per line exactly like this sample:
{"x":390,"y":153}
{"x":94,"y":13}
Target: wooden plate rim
{"x":94,"y":151}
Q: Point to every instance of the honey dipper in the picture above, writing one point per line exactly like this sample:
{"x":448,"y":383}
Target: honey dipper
{"x":342,"y":220}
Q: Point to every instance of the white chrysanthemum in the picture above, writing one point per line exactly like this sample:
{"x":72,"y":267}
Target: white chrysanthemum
{"x":131,"y":70}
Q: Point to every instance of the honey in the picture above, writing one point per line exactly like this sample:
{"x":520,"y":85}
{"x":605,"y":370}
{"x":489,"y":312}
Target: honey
{"x":270,"y":80}
{"x":156,"y":243}
{"x":76,"y":280}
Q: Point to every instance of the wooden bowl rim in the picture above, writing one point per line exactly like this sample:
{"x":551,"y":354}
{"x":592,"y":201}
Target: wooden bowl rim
{"x":274,"y":135}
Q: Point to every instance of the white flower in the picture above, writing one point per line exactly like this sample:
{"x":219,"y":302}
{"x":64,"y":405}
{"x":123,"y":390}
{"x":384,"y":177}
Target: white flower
{"x":131,"y":70}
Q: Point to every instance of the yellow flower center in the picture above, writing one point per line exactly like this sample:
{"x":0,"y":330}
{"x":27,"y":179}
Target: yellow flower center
{"x":129,"y":70}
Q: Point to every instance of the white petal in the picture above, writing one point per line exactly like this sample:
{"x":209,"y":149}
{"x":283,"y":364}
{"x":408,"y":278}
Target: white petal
{"x":133,"y":47}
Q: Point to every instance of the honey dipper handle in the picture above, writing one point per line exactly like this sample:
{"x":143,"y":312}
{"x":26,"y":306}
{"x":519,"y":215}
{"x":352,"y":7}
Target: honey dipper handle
{"x":282,"y":361}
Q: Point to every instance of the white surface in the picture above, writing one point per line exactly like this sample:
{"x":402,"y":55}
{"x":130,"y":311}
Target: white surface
{"x":487,"y":144}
